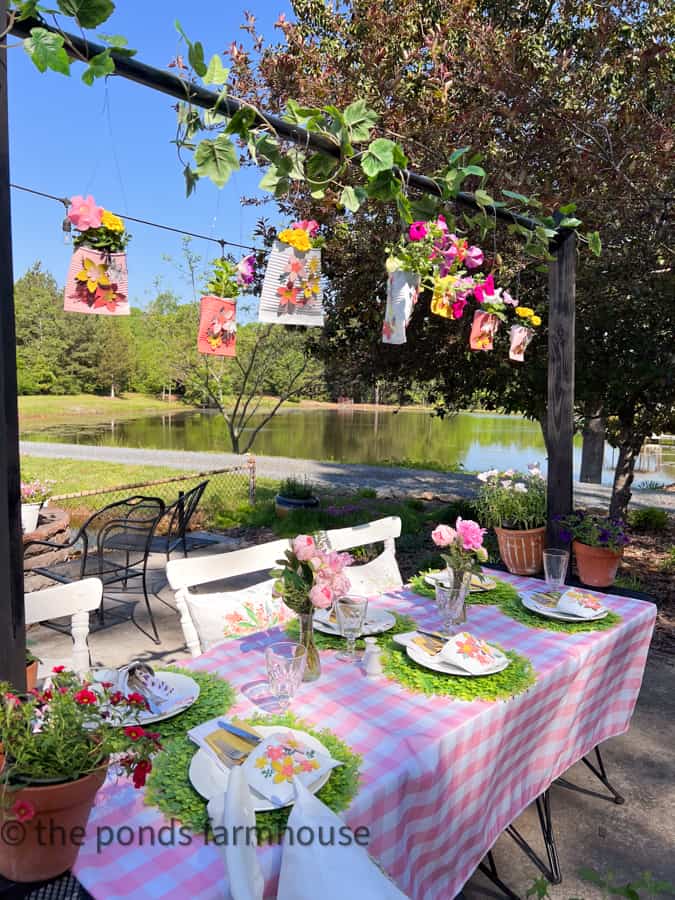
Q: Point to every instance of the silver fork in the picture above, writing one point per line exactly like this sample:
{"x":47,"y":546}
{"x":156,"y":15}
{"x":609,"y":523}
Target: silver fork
{"x":236,"y":757}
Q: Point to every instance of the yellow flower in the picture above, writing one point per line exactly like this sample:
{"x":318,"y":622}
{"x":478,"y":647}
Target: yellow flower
{"x":111,"y":221}
{"x":297,"y":238}
{"x":524,"y":312}
{"x":94,"y":274}
{"x":535,"y":320}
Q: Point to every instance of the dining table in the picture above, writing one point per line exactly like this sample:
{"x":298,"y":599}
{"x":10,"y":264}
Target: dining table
{"x":441,"y":778}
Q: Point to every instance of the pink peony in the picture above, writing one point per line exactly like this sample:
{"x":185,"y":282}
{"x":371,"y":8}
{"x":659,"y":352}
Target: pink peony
{"x":321,"y":596}
{"x":417,"y":231}
{"x":443,"y":535}
{"x":470,"y":533}
{"x":473,"y":258}
{"x":84,"y":213}
{"x":304,"y":547}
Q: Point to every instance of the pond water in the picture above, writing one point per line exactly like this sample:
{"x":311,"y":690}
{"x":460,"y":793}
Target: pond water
{"x":475,"y":441}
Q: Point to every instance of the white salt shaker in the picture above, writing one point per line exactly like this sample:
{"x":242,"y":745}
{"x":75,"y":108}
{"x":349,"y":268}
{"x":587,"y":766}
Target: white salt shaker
{"x":371,"y":658}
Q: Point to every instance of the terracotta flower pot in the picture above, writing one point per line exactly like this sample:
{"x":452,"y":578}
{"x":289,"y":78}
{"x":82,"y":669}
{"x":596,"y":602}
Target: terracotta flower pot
{"x":596,"y":565}
{"x":31,"y":675}
{"x":522,"y":551}
{"x":47,"y":844}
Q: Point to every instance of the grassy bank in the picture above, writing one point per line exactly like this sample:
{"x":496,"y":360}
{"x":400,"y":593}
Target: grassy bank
{"x":42,"y":410}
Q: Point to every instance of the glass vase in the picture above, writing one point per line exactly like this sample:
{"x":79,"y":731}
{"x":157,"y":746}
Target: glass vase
{"x":451,"y":599}
{"x":313,"y":663}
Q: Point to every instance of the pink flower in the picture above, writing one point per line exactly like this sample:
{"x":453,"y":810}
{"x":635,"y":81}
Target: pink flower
{"x":441,"y":224}
{"x":458,"y":307}
{"x":304,"y":547}
{"x":276,"y":752}
{"x":443,"y":535}
{"x":321,"y":596}
{"x":311,"y":226}
{"x":23,"y":810}
{"x":417,"y":231}
{"x":473,"y":258}
{"x":84,"y":213}
{"x":507,"y":298}
{"x":246,"y":270}
{"x":470,"y":533}
{"x":486,"y":290}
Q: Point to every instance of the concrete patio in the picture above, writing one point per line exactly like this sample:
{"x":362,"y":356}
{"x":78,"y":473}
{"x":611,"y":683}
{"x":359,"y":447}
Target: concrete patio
{"x":627,"y":840}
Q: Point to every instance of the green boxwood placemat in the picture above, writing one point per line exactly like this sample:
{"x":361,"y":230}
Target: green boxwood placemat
{"x":216,"y":696}
{"x":507,"y":598}
{"x":515,"y":679}
{"x":169,"y":786}
{"x":335,"y":642}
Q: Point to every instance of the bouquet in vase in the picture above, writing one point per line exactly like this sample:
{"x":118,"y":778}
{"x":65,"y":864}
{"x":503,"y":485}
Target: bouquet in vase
{"x":462,"y":546}
{"x":310,"y":578}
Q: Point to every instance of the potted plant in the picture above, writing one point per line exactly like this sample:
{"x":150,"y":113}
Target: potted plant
{"x":218,"y":309}
{"x":97,"y":280}
{"x":57,"y":746}
{"x":597,"y":542}
{"x":514,"y":504}
{"x":310,"y":578}
{"x":34,"y":495}
{"x":32,"y":663}
{"x":295,"y":493}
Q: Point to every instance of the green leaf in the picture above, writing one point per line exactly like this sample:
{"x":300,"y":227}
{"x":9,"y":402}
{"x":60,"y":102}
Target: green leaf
{"x":267,"y":147}
{"x":241,"y":122}
{"x":569,"y":222}
{"x":352,"y":198}
{"x":483,"y":198}
{"x":379,"y":157}
{"x":425,"y":208}
{"x":196,"y":57}
{"x":275,"y":181}
{"x":217,"y":159}
{"x":296,"y":167}
{"x":568,"y":209}
{"x":99,"y":66}
{"x":400,"y":159}
{"x":514,"y":195}
{"x":473,"y":170}
{"x":89,"y":13}
{"x":191,"y":179}
{"x":216,"y":73}
{"x":118,"y":43}
{"x":46,"y":50}
{"x":384,"y":186}
{"x":594,"y":242}
{"x":302,"y":115}
{"x":457,"y":154}
{"x":360,"y":120}
{"x":29,"y":9}
{"x":321,"y":167}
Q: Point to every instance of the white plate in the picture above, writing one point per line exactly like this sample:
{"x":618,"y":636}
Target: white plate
{"x":185,"y":693}
{"x":429,"y":662}
{"x":551,"y":613}
{"x":477,"y":584}
{"x":377,"y":621}
{"x":210,"y":777}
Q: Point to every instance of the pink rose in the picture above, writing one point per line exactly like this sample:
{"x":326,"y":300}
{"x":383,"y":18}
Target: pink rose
{"x":470,"y":533}
{"x":443,"y":535}
{"x":304,"y":547}
{"x":84,"y":213}
{"x":321,"y":596}
{"x":417,"y":231}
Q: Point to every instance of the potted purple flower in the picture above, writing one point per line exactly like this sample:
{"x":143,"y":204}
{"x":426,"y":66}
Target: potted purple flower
{"x":598,"y":543}
{"x":34,"y":495}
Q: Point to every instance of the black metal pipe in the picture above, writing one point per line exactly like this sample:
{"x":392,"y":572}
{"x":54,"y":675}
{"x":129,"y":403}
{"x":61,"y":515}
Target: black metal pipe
{"x":170,"y":84}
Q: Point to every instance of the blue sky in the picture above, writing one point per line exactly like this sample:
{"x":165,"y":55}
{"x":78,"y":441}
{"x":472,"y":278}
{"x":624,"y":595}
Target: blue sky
{"x":67,"y":138}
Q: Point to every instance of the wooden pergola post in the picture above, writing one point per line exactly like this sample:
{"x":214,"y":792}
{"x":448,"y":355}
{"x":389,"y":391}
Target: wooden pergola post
{"x":12,"y":626}
{"x":560,"y":408}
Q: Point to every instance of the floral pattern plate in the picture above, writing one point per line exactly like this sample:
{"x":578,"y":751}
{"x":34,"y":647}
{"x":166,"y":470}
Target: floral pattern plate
{"x":530,"y":602}
{"x":209,"y":777}
{"x":184,"y":691}
{"x":377,"y":622}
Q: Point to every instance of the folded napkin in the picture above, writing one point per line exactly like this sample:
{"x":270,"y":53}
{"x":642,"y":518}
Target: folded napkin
{"x":580,"y":603}
{"x":234,"y":810}
{"x":463,"y":650}
{"x":325,"y":868}
{"x":279,"y":761}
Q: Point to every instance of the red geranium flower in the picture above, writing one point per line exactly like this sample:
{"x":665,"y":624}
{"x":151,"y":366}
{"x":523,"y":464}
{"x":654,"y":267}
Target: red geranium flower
{"x":141,"y":772}
{"x":85,"y":697}
{"x":137,"y":700}
{"x":116,"y":698}
{"x":135,"y":732}
{"x":23,"y":810}
{"x":58,"y":669}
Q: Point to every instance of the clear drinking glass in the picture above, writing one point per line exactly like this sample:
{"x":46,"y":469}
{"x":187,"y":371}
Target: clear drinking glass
{"x":285,"y":668}
{"x":451,"y":594}
{"x":555,"y":568}
{"x":351,"y":614}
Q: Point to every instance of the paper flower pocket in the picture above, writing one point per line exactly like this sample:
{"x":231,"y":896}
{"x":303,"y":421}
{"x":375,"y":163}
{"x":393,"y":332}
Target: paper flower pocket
{"x":217,"y":327}
{"x":402,"y":293}
{"x":97,"y":283}
{"x":292,"y":292}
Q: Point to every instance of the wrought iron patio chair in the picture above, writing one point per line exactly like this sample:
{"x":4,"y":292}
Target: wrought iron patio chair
{"x":105,"y":552}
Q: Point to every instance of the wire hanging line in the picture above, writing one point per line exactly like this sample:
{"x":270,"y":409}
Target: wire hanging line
{"x":204,"y":237}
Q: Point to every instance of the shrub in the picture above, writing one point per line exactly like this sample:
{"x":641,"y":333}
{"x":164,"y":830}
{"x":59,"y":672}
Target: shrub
{"x":367,"y":493}
{"x":668,"y":564}
{"x":296,"y":489}
{"x":648,"y":519}
{"x":512,"y":499}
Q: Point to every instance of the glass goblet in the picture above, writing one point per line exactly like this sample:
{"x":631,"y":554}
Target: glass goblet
{"x":351,"y":614}
{"x":285,"y":667}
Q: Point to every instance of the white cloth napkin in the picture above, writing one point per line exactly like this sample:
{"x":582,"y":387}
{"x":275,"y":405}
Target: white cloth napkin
{"x":470,"y":653}
{"x":228,"y":811}
{"x":324,"y":868}
{"x":279,"y":760}
{"x":580,"y":603}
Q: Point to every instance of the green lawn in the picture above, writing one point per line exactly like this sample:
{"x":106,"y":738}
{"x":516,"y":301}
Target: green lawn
{"x":39,"y":410}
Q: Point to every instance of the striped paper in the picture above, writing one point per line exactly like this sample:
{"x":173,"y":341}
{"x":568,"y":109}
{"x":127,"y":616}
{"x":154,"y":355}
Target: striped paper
{"x":292,"y":293}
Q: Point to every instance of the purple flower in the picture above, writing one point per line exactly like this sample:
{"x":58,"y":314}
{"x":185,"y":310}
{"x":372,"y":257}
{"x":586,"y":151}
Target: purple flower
{"x":603,"y":537}
{"x":565,"y":535}
{"x":246,"y":271}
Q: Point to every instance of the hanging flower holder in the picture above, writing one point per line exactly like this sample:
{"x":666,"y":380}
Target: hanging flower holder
{"x":97,"y":283}
{"x":217,"y":327}
{"x":97,"y":280}
{"x":292,"y":292}
{"x":483,"y":330}
{"x":521,"y":336}
{"x":402,"y":292}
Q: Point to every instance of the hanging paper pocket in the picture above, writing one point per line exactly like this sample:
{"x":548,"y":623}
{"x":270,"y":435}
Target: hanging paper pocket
{"x":483,"y":329}
{"x":291,"y":292}
{"x":402,"y":293}
{"x":217,"y":327}
{"x":97,"y":283}
{"x":520,"y":339}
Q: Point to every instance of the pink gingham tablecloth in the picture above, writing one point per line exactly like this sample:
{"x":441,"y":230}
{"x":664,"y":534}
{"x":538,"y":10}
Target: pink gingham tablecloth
{"x":441,"y":778}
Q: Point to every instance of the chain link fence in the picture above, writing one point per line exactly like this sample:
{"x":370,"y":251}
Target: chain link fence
{"x":227,"y":488}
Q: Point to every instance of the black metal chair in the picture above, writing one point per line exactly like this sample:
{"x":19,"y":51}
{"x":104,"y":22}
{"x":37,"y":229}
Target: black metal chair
{"x":115,"y":543}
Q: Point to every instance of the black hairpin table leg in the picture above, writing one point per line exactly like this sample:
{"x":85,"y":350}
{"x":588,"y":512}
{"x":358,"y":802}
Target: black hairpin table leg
{"x":550,"y":869}
{"x":489,"y":868}
{"x":598,"y":769}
